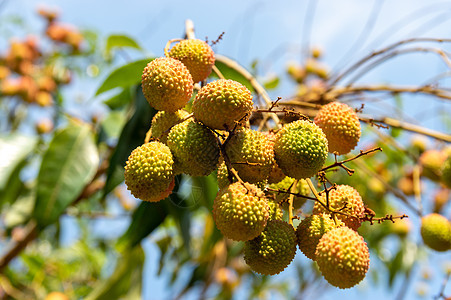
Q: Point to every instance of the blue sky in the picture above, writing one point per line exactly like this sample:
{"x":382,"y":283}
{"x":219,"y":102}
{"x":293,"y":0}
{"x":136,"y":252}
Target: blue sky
{"x":272,"y":32}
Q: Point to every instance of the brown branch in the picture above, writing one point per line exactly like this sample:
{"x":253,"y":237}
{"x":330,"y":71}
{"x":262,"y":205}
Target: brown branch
{"x":31,"y":229}
{"x":372,"y":219}
{"x":410,"y":127}
{"x":341,"y":163}
{"x":337,"y":92}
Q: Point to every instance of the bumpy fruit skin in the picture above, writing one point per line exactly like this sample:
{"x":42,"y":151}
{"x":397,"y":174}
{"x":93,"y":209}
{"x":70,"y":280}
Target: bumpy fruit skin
{"x":163,"y":121}
{"x":194,"y":147}
{"x":341,"y":126}
{"x":251,"y":155}
{"x":149,"y":172}
{"x":275,"y":210}
{"x":344,"y":194}
{"x":240,"y":211}
{"x":272,"y":251}
{"x":284,"y":185}
{"x":446,"y":172}
{"x":310,"y":231}
{"x":223,"y":179}
{"x":196,"y":55}
{"x":167,"y":84}
{"x":221,"y":103}
{"x":276,"y":175}
{"x":436,"y":232}
{"x":342,"y":257}
{"x":300,"y":149}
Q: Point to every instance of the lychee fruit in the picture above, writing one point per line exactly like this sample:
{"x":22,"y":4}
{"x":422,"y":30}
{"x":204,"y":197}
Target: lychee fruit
{"x":446,"y":172}
{"x":196,"y":55}
{"x":273,"y":250}
{"x":251,"y":155}
{"x":195,"y":149}
{"x":436,"y":232}
{"x":167,"y":84}
{"x":222,"y":103}
{"x":300,"y":149}
{"x":342,"y":257}
{"x":302,"y":188}
{"x":240,"y":211}
{"x":149,"y":172}
{"x":341,"y":126}
{"x":311,"y":229}
{"x":347,"y":200}
{"x":163,"y":121}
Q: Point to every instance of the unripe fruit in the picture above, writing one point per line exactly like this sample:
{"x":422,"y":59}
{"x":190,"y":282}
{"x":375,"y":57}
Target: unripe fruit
{"x":272,"y":251}
{"x":310,"y":231}
{"x":221,"y":103}
{"x":275,"y":210}
{"x":167,"y":84}
{"x":240,"y":211}
{"x":276,"y":175}
{"x":300,"y":149}
{"x":284,"y":185}
{"x":56,"y":296}
{"x":343,"y":258}
{"x":223,"y":179}
{"x":446,"y":172}
{"x":149,"y":172}
{"x":196,"y":55}
{"x":195,"y":149}
{"x":346,"y":199}
{"x":163,"y":121}
{"x":431,"y":162}
{"x":436,"y":232}
{"x":251,"y":155}
{"x":341,"y":125}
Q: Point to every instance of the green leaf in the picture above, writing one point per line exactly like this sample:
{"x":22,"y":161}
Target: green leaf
{"x":67,"y":166}
{"x":125,"y":280}
{"x":146,"y":218}
{"x":125,"y":76}
{"x":272,"y":83}
{"x":21,"y":210}
{"x":14,"y":149}
{"x":132,"y":136}
{"x":231,"y":73}
{"x":113,"y":123}
{"x":119,"y":41}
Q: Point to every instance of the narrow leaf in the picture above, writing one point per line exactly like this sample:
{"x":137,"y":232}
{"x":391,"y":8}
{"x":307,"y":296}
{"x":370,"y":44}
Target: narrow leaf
{"x":67,"y":166}
{"x":124,"y":76}
{"x":119,"y":41}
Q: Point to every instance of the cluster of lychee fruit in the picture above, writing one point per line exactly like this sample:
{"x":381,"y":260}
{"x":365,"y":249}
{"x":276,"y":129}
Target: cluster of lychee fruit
{"x":24,"y":72}
{"x":260,"y":174}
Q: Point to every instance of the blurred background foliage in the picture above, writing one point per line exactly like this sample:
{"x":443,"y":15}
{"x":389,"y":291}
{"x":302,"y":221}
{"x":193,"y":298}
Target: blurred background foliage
{"x":61,"y":172}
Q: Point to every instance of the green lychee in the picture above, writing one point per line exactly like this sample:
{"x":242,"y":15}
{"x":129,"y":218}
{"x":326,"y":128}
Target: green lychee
{"x":163,"y":121}
{"x":167,"y":84}
{"x":446,"y":172}
{"x":310,"y":231}
{"x":341,"y":126}
{"x":347,"y":200}
{"x":196,"y":55}
{"x":302,"y":188}
{"x":300,"y":149}
{"x":251,"y":155}
{"x":342,"y":257}
{"x":273,"y":250}
{"x":436,"y":232}
{"x":149,"y":172}
{"x":222,"y":103}
{"x":195,"y":149}
{"x":240,"y":211}
{"x":223,"y":179}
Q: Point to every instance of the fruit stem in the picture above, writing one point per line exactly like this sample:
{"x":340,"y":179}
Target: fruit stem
{"x":168,"y":44}
{"x":217,"y":72}
{"x":290,"y":201}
